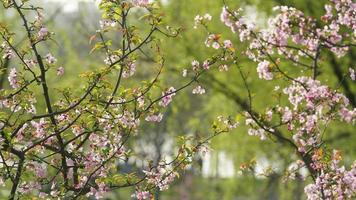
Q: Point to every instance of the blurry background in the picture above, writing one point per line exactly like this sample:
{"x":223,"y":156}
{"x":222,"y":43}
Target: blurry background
{"x":216,"y":175}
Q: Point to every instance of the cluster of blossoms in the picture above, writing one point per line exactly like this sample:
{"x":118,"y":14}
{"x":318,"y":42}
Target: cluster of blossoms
{"x":8,"y":52}
{"x":130,"y":70}
{"x":161,"y":176}
{"x":352,"y":74}
{"x":141,"y":195}
{"x":198,"y":20}
{"x":264,"y":71}
{"x":198,"y":90}
{"x":213,"y":40}
{"x":107,"y":23}
{"x":13,"y":78}
{"x":255,"y":129}
{"x":227,"y":123}
{"x":60,"y":71}
{"x":343,"y":182}
{"x":111,"y":59}
{"x":154,"y":118}
{"x":167,"y":96}
{"x":50,"y":59}
{"x":296,"y":39}
{"x":42,"y":33}
{"x":290,"y":25}
{"x":141,"y":3}
{"x":313,"y":106}
{"x":30,"y":63}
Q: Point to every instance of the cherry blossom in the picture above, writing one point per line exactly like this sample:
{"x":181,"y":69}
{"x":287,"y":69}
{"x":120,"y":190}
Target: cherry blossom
{"x":130,"y":71}
{"x":140,"y":3}
{"x":154,"y":118}
{"x":142,"y":195}
{"x":42,"y":33}
{"x":8,"y":52}
{"x":198,"y":90}
{"x":13,"y":78}
{"x":167,"y":97}
{"x":352,"y":74}
{"x":184,"y":72}
{"x":206,"y":64}
{"x":50,"y":59}
{"x":201,"y":19}
{"x":161,"y":176}
{"x":106,"y":23}
{"x":60,"y":71}
{"x":263,"y":70}
{"x":30,"y":63}
{"x":195,"y":65}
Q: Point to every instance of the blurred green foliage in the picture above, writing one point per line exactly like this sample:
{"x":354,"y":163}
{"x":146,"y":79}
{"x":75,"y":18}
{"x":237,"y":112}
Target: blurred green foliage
{"x":191,"y":114}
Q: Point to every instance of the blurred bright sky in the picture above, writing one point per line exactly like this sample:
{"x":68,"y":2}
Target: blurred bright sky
{"x":70,"y":5}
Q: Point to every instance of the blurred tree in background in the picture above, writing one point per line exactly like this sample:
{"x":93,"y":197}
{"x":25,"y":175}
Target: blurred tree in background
{"x":219,"y":174}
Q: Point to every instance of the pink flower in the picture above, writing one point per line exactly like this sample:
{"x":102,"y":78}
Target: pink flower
{"x":195,"y":65}
{"x":160,"y":176}
{"x":154,"y":118}
{"x":130,"y":70}
{"x":98,"y":193}
{"x":201,"y":19}
{"x":14,"y":83}
{"x":206,"y":64}
{"x":203,"y":149}
{"x":310,"y":123}
{"x":257,"y":132}
{"x":42,"y":33}
{"x":40,"y":128}
{"x":141,"y":195}
{"x":269,"y":115}
{"x":328,"y":15}
{"x":198,"y":90}
{"x":167,"y":97}
{"x":213,"y":40}
{"x":227,"y":44}
{"x":224,"y":17}
{"x":347,"y":115}
{"x":60,"y":71}
{"x":287,"y":115}
{"x":263,"y":70}
{"x":140,"y":3}
{"x":216,"y":45}
{"x":30,"y":62}
{"x":40,"y":170}
{"x":106,"y":23}
{"x":352,"y":74}
{"x":208,"y":17}
{"x":31,"y":109}
{"x":223,"y":68}
{"x":8,"y":52}
{"x":42,"y":195}
{"x":50,"y":59}
{"x":111,"y":59}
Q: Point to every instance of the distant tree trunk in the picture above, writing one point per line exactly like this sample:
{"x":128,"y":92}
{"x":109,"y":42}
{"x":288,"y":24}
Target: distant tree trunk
{"x":186,"y":185}
{"x":298,"y":190}
{"x":272,"y":187}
